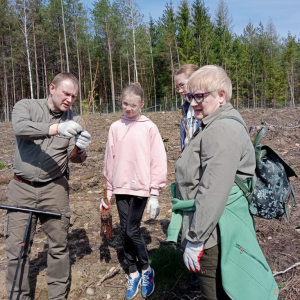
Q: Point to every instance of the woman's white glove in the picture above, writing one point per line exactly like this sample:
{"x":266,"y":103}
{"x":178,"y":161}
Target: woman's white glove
{"x":192,"y":255}
{"x":153,"y":207}
{"x":68,"y":129}
{"x":83,"y":140}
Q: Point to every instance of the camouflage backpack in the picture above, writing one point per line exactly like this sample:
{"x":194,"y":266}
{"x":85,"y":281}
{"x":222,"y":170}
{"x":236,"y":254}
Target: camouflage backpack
{"x":271,"y":187}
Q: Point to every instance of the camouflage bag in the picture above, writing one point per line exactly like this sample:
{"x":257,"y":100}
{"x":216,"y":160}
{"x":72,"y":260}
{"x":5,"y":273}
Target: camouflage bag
{"x":270,"y":190}
{"x":271,"y":187}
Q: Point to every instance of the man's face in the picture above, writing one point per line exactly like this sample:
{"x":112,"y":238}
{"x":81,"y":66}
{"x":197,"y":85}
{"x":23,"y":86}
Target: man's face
{"x":62,"y":96}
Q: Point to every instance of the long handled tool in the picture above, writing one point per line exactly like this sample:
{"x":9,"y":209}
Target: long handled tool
{"x":30,"y":211}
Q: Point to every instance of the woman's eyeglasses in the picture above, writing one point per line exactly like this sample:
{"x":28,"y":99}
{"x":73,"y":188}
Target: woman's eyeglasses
{"x":199,"y":97}
{"x":180,"y":87}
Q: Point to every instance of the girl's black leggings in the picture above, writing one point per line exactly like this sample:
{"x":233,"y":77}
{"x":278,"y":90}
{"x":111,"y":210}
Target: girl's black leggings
{"x":131,"y":209}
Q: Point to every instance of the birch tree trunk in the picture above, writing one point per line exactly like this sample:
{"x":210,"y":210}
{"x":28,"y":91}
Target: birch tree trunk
{"x":121,"y":77}
{"x":22,"y":86}
{"x":110,"y":68}
{"x":45,"y":71}
{"x":65,"y":37}
{"x":153,"y":72}
{"x":172,"y":70}
{"x":91,"y":76}
{"x":27,"y":49}
{"x":133,"y":39}
{"x":36,"y":64}
{"x":78,"y":61}
{"x":62,"y":68}
{"x":128,"y":67}
{"x":5,"y":91}
{"x":12,"y":68}
{"x":291,"y":81}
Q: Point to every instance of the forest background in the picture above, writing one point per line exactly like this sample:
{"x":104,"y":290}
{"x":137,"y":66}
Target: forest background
{"x":40,"y":38}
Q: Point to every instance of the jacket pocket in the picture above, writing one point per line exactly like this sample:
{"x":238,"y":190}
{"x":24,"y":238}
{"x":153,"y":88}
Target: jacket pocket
{"x":126,"y":175}
{"x":250,"y":255}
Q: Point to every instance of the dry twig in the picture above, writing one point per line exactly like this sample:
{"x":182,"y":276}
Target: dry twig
{"x":283,"y":127}
{"x":112,"y":272}
{"x":291,"y":267}
{"x":114,"y":286}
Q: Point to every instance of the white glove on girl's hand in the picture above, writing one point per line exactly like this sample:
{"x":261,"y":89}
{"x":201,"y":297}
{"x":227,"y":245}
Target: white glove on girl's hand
{"x":69,"y":128}
{"x":153,"y":207}
{"x":103,"y":205}
{"x":83,"y":140}
{"x":192,"y":255}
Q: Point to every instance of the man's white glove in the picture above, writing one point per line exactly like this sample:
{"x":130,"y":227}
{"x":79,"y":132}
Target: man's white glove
{"x":103,"y":205}
{"x":153,"y":207}
{"x":83,"y":140}
{"x":192,"y":255}
{"x":68,"y":129}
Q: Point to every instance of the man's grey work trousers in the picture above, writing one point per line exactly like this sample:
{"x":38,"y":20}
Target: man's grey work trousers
{"x":51,"y":197}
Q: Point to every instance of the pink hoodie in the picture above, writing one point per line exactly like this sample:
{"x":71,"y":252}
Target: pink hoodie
{"x":135,"y":158}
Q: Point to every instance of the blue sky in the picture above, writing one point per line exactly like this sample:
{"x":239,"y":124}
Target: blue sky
{"x":283,"y":13}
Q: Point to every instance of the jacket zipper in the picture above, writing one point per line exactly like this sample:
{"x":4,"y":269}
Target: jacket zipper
{"x":242,"y":250}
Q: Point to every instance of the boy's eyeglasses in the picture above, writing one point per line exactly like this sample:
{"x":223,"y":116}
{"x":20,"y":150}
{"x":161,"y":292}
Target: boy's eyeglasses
{"x":199,"y":97}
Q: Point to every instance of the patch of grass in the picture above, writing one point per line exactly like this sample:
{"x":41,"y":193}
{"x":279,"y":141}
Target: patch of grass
{"x":1,"y":165}
{"x":167,"y":262}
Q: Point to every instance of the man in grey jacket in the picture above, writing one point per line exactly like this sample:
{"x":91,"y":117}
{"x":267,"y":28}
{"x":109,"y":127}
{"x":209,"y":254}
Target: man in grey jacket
{"x":48,"y":135}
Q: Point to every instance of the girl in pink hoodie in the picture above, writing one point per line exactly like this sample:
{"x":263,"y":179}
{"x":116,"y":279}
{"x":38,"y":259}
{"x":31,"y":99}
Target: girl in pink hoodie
{"x":135,"y":168}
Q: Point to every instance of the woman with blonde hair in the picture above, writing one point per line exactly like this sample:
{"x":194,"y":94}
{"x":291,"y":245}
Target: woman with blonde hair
{"x":218,"y":232}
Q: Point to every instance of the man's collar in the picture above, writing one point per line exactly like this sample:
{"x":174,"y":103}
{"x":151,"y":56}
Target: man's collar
{"x":53,"y":113}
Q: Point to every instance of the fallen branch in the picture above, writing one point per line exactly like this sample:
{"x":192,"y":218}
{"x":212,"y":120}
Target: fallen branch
{"x":282,"y":272}
{"x":112,"y":272}
{"x":175,"y":295}
{"x":197,"y":297}
{"x":114,"y":286}
{"x":278,"y":126}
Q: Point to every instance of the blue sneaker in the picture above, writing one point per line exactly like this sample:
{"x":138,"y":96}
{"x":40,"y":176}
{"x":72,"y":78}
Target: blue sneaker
{"x":148,"y":283}
{"x":132,"y":286}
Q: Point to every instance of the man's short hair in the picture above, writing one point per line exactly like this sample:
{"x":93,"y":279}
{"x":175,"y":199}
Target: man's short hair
{"x":211,"y":78}
{"x":64,"y":76}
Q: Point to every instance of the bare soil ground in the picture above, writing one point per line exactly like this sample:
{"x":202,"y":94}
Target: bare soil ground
{"x":93,"y":257}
